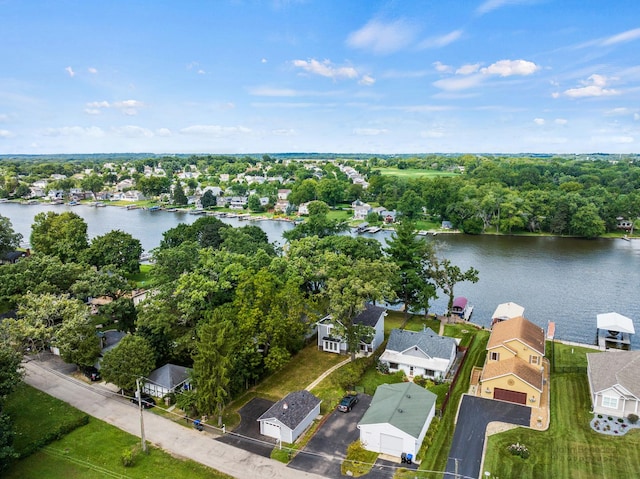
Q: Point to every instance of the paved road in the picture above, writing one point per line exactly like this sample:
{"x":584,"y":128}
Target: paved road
{"x":468,"y":439}
{"x":171,"y":437}
{"x":247,"y":435}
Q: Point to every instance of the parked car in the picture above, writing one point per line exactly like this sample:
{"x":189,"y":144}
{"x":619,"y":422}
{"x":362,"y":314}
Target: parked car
{"x":348,"y":402}
{"x":92,"y":373}
{"x":147,"y":401}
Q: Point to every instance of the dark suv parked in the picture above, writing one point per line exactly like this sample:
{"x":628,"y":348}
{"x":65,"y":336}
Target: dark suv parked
{"x":92,"y":373}
{"x":147,"y":401}
{"x":348,"y":402}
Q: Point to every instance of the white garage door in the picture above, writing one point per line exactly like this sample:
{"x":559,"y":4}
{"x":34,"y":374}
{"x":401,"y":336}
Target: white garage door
{"x":270,"y":429}
{"x":391,"y":445}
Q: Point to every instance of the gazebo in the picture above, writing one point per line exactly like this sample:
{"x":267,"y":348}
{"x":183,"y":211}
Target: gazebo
{"x":614,"y":329}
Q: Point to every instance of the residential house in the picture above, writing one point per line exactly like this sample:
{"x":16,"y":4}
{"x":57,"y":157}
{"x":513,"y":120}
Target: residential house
{"x":373,"y":316}
{"x":446,"y":225}
{"x":506,"y":311}
{"x":36,"y":192}
{"x":167,"y":379}
{"x":283,"y":194}
{"x":264,"y":201}
{"x":54,"y":195}
{"x":624,"y":224}
{"x":12,"y":257}
{"x":281,"y":206}
{"x":290,"y":417}
{"x":513,"y":370}
{"x":397,"y":419}
{"x":222,"y":201}
{"x":238,"y":202}
{"x":224,"y":177}
{"x":215,"y":190}
{"x":420,"y":353}
{"x":360,"y":210}
{"x":134,"y":195}
{"x":303,"y":209}
{"x":614,"y":382}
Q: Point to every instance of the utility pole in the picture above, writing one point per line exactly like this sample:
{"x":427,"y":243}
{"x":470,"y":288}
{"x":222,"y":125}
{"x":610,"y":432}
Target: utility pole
{"x":144,"y":442}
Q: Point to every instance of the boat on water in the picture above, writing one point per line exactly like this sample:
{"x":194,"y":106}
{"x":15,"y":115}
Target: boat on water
{"x":373,"y":229}
{"x":132,"y":207}
{"x":73,"y":203}
{"x":154,"y":208}
{"x":362,"y":228}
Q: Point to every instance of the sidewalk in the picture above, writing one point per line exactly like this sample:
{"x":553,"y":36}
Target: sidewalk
{"x":173,"y":438}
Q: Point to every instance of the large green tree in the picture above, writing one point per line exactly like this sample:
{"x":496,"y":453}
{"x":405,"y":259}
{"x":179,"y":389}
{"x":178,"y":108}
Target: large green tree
{"x":318,"y":224}
{"x":115,"y":248}
{"x":59,"y":234}
{"x":131,"y":359}
{"x":447,"y":275}
{"x":9,"y":239}
{"x":77,"y":340}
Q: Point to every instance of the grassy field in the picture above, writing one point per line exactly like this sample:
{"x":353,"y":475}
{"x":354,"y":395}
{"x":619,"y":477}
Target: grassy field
{"x":566,"y":356}
{"x":412,"y":172}
{"x":569,"y":449}
{"x":91,"y":451}
{"x":143,"y":278}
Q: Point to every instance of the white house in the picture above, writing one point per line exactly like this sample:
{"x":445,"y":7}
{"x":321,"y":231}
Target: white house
{"x":167,"y":379}
{"x":283,"y":194}
{"x":614,"y":382}
{"x":373,"y":316}
{"x":420,"y":353}
{"x":289,"y":417}
{"x":398,"y":419}
{"x":360,"y":210}
{"x":303,"y":209}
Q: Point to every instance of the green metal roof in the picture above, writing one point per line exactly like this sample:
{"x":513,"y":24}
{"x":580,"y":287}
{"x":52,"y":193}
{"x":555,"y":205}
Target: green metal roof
{"x":403,"y":405}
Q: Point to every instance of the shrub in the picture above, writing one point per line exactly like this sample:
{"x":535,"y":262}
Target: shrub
{"x":518,"y":449}
{"x":129,"y":455}
{"x":633,"y":418}
{"x":420,"y":381}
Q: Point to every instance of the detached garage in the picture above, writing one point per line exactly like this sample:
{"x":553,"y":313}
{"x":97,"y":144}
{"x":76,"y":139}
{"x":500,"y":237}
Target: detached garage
{"x":289,"y":417}
{"x":398,"y":419}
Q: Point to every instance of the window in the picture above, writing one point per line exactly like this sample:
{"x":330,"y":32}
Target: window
{"x":429,"y":373}
{"x":533,"y":359}
{"x":393,"y":365}
{"x":495,"y":356}
{"x":610,"y":401}
{"x":332,"y":346}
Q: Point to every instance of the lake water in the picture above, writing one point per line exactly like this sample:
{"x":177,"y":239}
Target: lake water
{"x":568,"y":281}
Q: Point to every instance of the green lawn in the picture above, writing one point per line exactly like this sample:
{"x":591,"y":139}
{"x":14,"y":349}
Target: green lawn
{"x":93,"y":450}
{"x":569,"y":449}
{"x":567,"y":356}
{"x":143,"y":278}
{"x":412,"y":172}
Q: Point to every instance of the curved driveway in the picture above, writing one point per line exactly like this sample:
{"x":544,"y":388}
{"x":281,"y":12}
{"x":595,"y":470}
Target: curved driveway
{"x":174,"y":438}
{"x":468,"y":439}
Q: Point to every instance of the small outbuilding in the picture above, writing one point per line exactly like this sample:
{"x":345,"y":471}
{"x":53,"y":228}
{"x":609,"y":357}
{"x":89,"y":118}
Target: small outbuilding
{"x":398,"y":419}
{"x":290,"y":417}
{"x":506,"y":311}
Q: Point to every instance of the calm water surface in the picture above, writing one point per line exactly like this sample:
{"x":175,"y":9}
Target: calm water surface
{"x":555,"y":279}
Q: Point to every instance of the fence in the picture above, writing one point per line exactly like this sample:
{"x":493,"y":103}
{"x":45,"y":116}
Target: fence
{"x":452,"y":385}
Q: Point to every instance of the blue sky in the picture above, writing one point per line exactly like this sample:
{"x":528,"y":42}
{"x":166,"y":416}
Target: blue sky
{"x":353,"y":76}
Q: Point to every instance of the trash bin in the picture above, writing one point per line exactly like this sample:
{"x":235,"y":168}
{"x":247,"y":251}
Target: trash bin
{"x":198,"y":425}
{"x":403,"y":457}
{"x":409,"y":458}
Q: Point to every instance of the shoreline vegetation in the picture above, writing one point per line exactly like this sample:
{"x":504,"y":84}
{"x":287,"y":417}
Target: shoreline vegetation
{"x":432,"y":228}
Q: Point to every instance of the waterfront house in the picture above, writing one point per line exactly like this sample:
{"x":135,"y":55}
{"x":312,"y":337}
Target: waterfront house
{"x":614,"y":382}
{"x":372,"y":316}
{"x":12,"y":257}
{"x":283,"y":194}
{"x":360,"y":210}
{"x":303,"y":209}
{"x":397,"y":419}
{"x":134,"y":195}
{"x":290,"y":417}
{"x":513,"y":369}
{"x":420,"y":353}
{"x":281,"y":206}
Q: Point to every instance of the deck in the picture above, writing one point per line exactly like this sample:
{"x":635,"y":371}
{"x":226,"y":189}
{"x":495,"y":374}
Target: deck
{"x":606,"y":341}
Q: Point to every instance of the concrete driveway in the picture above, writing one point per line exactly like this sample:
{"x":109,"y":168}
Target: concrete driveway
{"x":247,"y":435}
{"x":468,"y":439}
{"x":326,"y":450}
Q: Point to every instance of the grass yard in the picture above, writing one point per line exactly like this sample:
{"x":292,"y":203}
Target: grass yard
{"x":395,"y":320}
{"x":92,"y":450}
{"x":569,"y":449}
{"x":95,"y":451}
{"x":36,"y":414}
{"x":412,"y":172}
{"x":568,"y":357}
{"x":143,"y":278}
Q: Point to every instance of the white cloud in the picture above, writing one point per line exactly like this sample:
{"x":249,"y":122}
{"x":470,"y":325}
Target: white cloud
{"x":163,"y":132}
{"x":92,"y":111}
{"x":405,"y":74}
{"x":538,"y":121}
{"x":128,"y":107}
{"x":284,"y":132}
{"x":264,"y":60}
{"x":4,"y":117}
{"x":623,"y":37}
{"x":98,"y":104}
{"x":382,"y":38}
{"x":442,"y":40}
{"x":561,"y":121}
{"x":369,"y":131}
{"x":441,"y":67}
{"x":326,"y":69}
{"x":468,"y":69}
{"x":593,"y":86}
{"x":70,"y":71}
{"x":367,"y":80}
{"x":78,"y":131}
{"x":132,"y":131}
{"x":214,"y":130}
{"x":616,"y":139}
{"x":636,"y":116}
{"x":490,"y":5}
{"x":438,"y":133}
{"x":6,"y":134}
{"x":92,"y":70}
{"x":459,"y":83}
{"x":275,"y":92}
{"x":505,"y":68}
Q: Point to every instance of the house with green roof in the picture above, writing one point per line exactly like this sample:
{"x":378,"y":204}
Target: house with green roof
{"x":397,"y":419}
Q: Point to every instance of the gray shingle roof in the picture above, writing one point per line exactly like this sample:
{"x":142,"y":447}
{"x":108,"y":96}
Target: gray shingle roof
{"x":370,"y":315}
{"x":169,"y":376}
{"x":618,"y":367}
{"x":428,"y":341}
{"x":403,"y":405}
{"x":292,"y":409}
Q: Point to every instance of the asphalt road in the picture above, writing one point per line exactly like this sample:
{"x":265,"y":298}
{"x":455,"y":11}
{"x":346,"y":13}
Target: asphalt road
{"x":468,"y":439}
{"x":247,"y":435}
{"x":174,"y":438}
